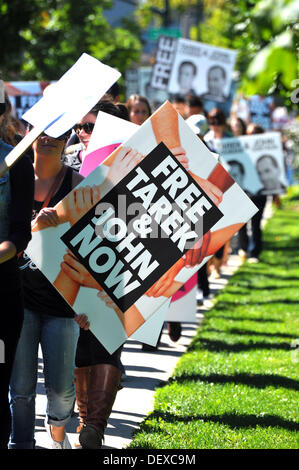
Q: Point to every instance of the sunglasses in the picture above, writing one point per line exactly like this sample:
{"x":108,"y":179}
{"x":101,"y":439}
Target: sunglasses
{"x":87,"y":127}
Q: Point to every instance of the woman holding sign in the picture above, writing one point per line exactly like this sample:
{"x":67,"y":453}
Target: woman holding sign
{"x":48,"y":319}
{"x":16,"y":196}
{"x":97,"y":373}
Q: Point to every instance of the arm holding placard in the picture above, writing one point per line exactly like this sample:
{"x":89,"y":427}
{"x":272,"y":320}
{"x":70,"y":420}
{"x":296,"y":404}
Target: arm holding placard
{"x":80,"y":200}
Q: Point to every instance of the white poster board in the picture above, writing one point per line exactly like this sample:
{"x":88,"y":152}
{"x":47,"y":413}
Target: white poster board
{"x":183,"y":303}
{"x":132,"y":273}
{"x":73,"y":96}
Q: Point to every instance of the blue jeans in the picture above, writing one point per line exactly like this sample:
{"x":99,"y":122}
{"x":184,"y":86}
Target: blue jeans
{"x":58,"y":338}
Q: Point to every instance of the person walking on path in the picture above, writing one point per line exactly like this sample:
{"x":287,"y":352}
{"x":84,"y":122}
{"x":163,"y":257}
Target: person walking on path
{"x":48,"y":319}
{"x":16,"y":199}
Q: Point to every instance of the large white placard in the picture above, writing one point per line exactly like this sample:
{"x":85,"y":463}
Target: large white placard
{"x":129,"y":275}
{"x":75,"y":93}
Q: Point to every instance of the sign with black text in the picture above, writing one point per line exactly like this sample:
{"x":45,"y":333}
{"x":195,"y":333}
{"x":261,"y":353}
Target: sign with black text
{"x":187,"y":67}
{"x":163,"y":62}
{"x":127,"y":257}
{"x":138,"y":227}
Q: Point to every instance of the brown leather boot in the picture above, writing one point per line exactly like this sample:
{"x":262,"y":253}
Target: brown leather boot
{"x":103,"y":387}
{"x":82,"y":377}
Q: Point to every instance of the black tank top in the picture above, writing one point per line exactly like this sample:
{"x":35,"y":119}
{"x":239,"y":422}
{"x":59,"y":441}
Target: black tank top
{"x":39,"y":294}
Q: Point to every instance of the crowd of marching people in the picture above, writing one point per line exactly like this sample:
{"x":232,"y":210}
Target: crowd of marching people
{"x":77,"y":367}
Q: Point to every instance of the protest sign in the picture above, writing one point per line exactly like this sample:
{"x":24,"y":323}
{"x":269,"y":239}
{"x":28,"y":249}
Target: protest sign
{"x":163,"y":62}
{"x":141,"y":224}
{"x":24,"y":95}
{"x":190,"y":67}
{"x":132,"y":82}
{"x":155,"y":96}
{"x":202,"y":70}
{"x":68,"y":100}
{"x":108,"y":133}
{"x":226,"y":105}
{"x":256,"y":162}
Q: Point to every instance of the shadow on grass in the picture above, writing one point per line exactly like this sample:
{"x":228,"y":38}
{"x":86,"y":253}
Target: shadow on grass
{"x":244,"y":275}
{"x":295,"y":197}
{"x":242,"y":318}
{"x":239,"y":332}
{"x":232,"y":291}
{"x":224,"y":304}
{"x":222,"y":346}
{"x":232,"y":420}
{"x":292,"y":246}
{"x":259,"y":381}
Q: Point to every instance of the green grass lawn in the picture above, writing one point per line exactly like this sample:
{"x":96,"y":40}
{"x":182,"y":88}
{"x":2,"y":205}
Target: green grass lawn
{"x":237,"y":385}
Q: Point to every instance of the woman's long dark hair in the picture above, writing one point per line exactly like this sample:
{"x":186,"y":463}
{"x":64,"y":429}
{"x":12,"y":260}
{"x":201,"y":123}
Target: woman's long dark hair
{"x":7,"y":129}
{"x":142,"y":99}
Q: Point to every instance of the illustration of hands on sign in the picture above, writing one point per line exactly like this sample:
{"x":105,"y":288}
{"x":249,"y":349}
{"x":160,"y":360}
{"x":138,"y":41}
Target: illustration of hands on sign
{"x":161,"y":170}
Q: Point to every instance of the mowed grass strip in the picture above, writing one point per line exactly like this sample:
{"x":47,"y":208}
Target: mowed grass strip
{"x":237,"y":385}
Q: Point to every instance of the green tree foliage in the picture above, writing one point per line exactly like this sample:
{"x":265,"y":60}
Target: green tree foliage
{"x":275,"y":66}
{"x":265,"y":33}
{"x":43,"y":38}
{"x":153,"y":11}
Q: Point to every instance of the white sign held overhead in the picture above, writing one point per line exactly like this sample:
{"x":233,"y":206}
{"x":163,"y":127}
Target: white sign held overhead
{"x":66,"y":102}
{"x":77,"y":91}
